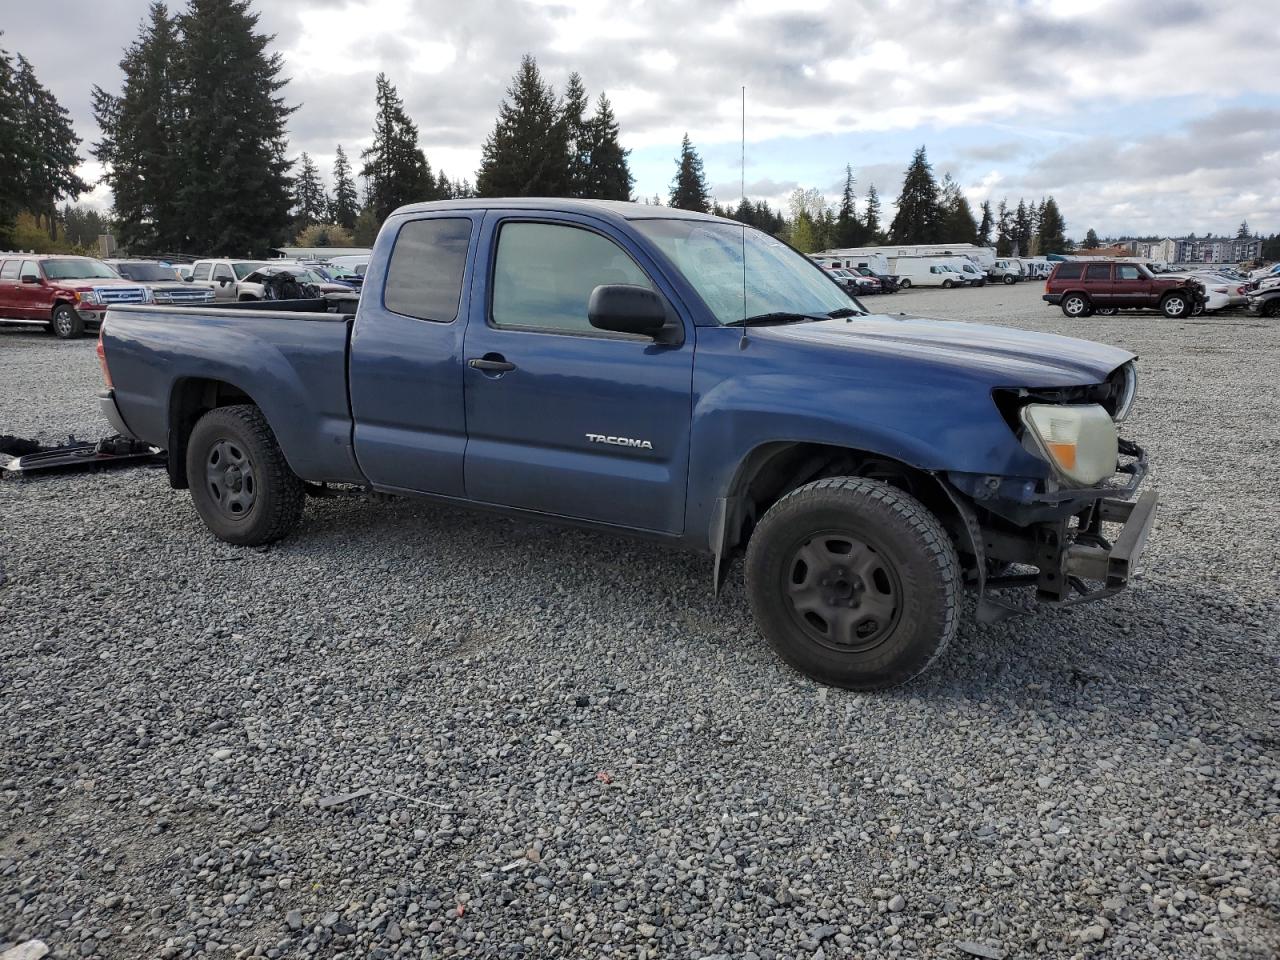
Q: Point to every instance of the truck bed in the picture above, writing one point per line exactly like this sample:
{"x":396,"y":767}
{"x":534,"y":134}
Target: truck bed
{"x":285,"y":356}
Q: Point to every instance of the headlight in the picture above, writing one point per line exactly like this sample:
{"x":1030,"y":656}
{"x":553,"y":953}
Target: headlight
{"x":92,"y":297}
{"x":1079,"y":440}
{"x":1128,"y":391}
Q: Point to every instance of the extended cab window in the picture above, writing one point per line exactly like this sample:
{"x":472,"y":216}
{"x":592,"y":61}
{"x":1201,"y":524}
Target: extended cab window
{"x":544,"y":273}
{"x":1098,"y":271}
{"x":424,"y":279}
{"x":10,"y":270}
{"x":1069,"y":271}
{"x":1127,"y":273}
{"x":201,"y":271}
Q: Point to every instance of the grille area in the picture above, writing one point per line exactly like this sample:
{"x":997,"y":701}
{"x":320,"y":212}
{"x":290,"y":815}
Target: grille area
{"x":121,"y":294}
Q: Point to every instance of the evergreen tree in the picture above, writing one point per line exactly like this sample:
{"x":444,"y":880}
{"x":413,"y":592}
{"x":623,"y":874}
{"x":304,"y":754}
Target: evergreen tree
{"x":1091,"y":241}
{"x":234,"y":196}
{"x":1052,"y":230}
{"x":1243,"y":233}
{"x":14,"y":152}
{"x":847,"y":231}
{"x":919,"y":216}
{"x":395,"y":166}
{"x":958,"y":225}
{"x":986,"y":226}
{"x":140,"y":145}
{"x":579,"y":133}
{"x":527,"y":154}
{"x":689,"y":186}
{"x":871,"y":219}
{"x":82,"y":226}
{"x":1271,"y":247}
{"x":1004,"y":230}
{"x":45,"y":126}
{"x":346,"y":206}
{"x":1021,"y":230}
{"x":608,"y":173}
{"x":309,"y":201}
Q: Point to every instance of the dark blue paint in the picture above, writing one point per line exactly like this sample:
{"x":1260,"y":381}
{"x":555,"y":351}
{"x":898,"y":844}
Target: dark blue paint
{"x":421,"y":420}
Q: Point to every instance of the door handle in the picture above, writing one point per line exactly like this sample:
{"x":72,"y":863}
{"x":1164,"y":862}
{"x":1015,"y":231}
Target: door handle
{"x":491,"y":364}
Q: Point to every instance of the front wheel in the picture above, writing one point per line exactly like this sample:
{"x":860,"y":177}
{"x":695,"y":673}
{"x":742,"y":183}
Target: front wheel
{"x":1271,"y":308}
{"x":241,"y":485}
{"x":66,"y":324}
{"x":1075,"y":305}
{"x":904,"y":284}
{"x":1010,"y":278}
{"x":853,"y":582}
{"x":1175,"y":305}
{"x":946,"y":284}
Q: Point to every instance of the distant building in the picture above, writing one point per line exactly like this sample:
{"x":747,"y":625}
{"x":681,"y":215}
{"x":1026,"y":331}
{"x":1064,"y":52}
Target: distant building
{"x":1217,"y":249}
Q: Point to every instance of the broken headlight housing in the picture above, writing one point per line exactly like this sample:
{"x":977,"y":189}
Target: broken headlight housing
{"x":1077,"y":439}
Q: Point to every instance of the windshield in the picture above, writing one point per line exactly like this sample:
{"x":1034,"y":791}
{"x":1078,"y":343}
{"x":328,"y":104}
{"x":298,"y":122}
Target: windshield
{"x":79,"y":268}
{"x":244,"y":267}
{"x":146,"y":272}
{"x":778,"y":280}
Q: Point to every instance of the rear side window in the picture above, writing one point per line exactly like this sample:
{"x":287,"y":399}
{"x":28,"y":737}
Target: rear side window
{"x":544,"y":273}
{"x":201,"y":271}
{"x":10,"y":270}
{"x":1098,"y":271}
{"x":1069,"y":271}
{"x":424,"y":279}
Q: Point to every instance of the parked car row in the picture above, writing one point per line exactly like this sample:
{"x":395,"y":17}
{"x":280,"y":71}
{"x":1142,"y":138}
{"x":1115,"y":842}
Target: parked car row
{"x":1082,"y":288}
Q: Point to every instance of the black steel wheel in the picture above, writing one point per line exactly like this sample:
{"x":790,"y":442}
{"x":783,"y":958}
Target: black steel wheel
{"x":66,"y":324}
{"x":853,"y":582}
{"x":241,"y":484}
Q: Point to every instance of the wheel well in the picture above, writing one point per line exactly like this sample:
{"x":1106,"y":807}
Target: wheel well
{"x":772,"y":471}
{"x":1077,"y":293}
{"x":191,"y":399}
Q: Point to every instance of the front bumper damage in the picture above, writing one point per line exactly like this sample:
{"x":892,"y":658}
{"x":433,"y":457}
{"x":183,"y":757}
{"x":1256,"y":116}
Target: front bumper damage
{"x":1065,"y":534}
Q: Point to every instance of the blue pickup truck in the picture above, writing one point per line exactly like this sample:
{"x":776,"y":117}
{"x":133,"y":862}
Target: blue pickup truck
{"x":670,"y":375}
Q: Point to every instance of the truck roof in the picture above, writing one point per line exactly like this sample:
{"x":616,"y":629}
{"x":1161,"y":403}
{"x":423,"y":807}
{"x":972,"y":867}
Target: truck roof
{"x":610,"y":209}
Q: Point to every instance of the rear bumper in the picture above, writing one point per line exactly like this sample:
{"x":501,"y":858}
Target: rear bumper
{"x":107,"y":407}
{"x":1054,"y":298}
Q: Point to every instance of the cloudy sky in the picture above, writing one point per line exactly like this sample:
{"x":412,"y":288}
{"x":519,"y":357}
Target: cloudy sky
{"x":1140,"y":116}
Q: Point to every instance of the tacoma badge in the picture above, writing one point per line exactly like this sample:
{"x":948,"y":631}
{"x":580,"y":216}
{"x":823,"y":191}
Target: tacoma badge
{"x":620,"y":441}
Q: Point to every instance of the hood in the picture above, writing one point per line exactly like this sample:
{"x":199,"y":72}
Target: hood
{"x":89,"y":284}
{"x":1002,"y":355}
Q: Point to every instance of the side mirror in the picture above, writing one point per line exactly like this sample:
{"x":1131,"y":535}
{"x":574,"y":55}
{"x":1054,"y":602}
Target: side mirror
{"x":626,"y":308}
{"x":30,"y":278}
{"x":222,"y":282}
{"x":188,"y":279}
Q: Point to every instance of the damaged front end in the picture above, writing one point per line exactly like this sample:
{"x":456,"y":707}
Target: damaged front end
{"x":1083,"y":526}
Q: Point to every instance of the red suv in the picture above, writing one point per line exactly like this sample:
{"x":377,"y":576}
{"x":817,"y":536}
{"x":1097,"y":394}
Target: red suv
{"x":64,"y":292}
{"x":1083,"y":288}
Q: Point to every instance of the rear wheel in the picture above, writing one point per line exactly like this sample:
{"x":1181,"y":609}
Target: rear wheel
{"x":1106,"y":311}
{"x":1076,"y":305}
{"x":904,"y":284}
{"x":853,"y":582}
{"x":1175,"y":305}
{"x":1009,"y":278}
{"x":241,"y":485}
{"x":66,"y":323}
{"x":1271,"y":308}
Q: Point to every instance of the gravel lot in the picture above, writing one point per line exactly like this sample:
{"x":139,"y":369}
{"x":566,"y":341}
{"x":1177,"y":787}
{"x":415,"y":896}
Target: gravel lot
{"x":563,"y":746}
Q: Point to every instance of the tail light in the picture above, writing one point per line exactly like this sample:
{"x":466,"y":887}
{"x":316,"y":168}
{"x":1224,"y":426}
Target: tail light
{"x":102,"y":358}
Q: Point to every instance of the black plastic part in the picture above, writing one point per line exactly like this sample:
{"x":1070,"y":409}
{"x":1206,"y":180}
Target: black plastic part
{"x":113,"y":451}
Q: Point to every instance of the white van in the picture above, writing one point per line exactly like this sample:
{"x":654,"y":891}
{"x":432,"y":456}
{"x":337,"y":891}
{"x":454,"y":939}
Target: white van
{"x":1036,"y":268}
{"x":976,"y":276}
{"x":926,"y":272}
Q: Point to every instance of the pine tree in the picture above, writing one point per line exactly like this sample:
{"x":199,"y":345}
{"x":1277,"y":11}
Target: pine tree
{"x":608,"y":174}
{"x":395,"y":166}
{"x":309,"y":201}
{"x":14,"y":152}
{"x":871,"y":219}
{"x":527,"y":154}
{"x":689,"y":186}
{"x":234,"y":196}
{"x":847,"y":231}
{"x":579,"y":133}
{"x":1004,"y":227}
{"x":984,"y":228}
{"x":919,"y":216}
{"x":1091,"y":241}
{"x":1021,"y":230}
{"x":139,"y":149}
{"x":45,"y":125}
{"x":1052,"y":230}
{"x":346,"y":205}
{"x":1243,"y":233}
{"x":958,"y":225}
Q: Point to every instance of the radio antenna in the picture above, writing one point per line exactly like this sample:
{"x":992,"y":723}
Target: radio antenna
{"x":742,"y":181}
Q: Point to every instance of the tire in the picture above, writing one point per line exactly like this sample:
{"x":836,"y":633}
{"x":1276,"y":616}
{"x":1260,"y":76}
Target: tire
{"x":904,"y":284}
{"x":1010,"y":278}
{"x":865,"y":624}
{"x":65,"y":323}
{"x":241,"y":485}
{"x":947,"y":284}
{"x":1197,"y":310}
{"x":1271,"y":308}
{"x":1175,"y":306}
{"x":1076,"y":305}
{"x":1106,"y":311}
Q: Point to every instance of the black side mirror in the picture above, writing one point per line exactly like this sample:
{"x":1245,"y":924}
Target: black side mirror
{"x":188,"y":278}
{"x":30,"y":278}
{"x":626,"y":308}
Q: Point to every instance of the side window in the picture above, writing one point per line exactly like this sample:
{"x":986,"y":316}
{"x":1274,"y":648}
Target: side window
{"x":201,"y":271}
{"x":1069,"y":271}
{"x":29,"y":269}
{"x":10,"y":270}
{"x":424,"y":279}
{"x":222,"y":272}
{"x":544,"y":273}
{"x":1127,"y":273}
{"x":1098,"y":271}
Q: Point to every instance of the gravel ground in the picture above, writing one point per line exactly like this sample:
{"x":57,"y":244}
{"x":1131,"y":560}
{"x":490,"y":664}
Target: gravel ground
{"x":560,"y":745}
